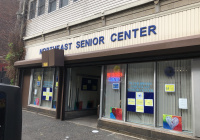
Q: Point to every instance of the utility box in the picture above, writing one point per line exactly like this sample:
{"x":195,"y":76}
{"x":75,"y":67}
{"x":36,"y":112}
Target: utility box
{"x":53,"y":58}
{"x":10,"y":113}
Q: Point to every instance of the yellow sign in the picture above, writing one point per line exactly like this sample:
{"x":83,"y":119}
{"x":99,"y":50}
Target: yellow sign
{"x":84,"y":87}
{"x":148,"y":102}
{"x":44,"y":93}
{"x":47,"y":97}
{"x":45,"y":64}
{"x":131,"y":101}
{"x":139,"y":102}
{"x":116,"y":68}
{"x":169,"y":87}
{"x":139,"y":108}
{"x":48,"y":94}
{"x":39,"y":78}
{"x":56,"y":84}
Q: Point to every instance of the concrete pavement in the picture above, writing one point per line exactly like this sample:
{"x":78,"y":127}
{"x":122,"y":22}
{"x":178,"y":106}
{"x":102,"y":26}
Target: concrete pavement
{"x":40,"y":127}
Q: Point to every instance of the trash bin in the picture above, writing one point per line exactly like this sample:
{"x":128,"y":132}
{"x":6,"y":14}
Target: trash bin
{"x":10,"y":112}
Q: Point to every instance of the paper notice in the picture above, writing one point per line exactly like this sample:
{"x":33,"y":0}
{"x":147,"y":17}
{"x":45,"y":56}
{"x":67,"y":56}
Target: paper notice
{"x":148,"y":102}
{"x":50,"y":94}
{"x":131,"y":101}
{"x":35,"y":92}
{"x":44,"y":93}
{"x":140,"y":109}
{"x":47,"y":98}
{"x":139,"y":102}
{"x":169,"y":87}
{"x":183,"y":103}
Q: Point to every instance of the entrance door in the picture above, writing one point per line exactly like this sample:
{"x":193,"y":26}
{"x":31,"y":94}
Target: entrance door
{"x":26,"y":85}
{"x":83,"y":91}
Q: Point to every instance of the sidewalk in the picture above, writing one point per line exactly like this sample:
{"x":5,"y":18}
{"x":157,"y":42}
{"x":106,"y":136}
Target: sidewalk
{"x":39,"y":127}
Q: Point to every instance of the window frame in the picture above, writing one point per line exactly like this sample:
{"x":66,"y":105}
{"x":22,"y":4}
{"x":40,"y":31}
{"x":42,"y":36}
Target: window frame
{"x":50,"y":5}
{"x":31,"y":15}
{"x":40,"y":7}
{"x":61,"y":3}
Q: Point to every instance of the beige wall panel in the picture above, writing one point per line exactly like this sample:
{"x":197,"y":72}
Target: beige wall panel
{"x":87,"y":26}
{"x":194,"y":1}
{"x":170,"y":4}
{"x":132,"y":13}
{"x":34,"y":41}
{"x":54,"y":35}
{"x":180,"y":24}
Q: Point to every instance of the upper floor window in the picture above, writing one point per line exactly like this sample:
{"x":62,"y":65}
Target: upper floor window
{"x":41,"y":7}
{"x":32,"y":9}
{"x":52,"y":5}
{"x":75,"y":0}
{"x":63,"y":3}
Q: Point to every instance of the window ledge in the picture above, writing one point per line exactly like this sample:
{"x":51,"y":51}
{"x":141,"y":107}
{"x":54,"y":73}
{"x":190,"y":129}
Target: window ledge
{"x":41,"y":107}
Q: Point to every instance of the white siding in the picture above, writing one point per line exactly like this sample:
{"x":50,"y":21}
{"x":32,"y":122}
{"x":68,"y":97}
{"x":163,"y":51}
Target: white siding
{"x":72,"y":12}
{"x":174,"y":25}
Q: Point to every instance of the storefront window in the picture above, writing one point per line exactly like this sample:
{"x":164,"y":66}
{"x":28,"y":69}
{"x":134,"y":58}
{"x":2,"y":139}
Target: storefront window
{"x":114,"y":91}
{"x":37,"y":87}
{"x":174,"y":95}
{"x":140,"y":94}
{"x":47,"y":88}
{"x":44,"y":87}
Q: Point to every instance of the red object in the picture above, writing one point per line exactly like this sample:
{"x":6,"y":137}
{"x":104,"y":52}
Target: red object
{"x":80,"y":105}
{"x":114,"y":74}
{"x":179,"y":126}
{"x":114,"y":111}
{"x":118,"y":113}
{"x":37,"y":100}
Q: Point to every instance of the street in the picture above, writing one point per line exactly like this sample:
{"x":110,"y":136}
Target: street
{"x":40,"y":127}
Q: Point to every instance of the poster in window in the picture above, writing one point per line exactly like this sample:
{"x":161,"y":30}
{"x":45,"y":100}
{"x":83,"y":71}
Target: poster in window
{"x":36,"y":101}
{"x":115,"y":86}
{"x":169,"y":87}
{"x":172,"y":122}
{"x":47,"y":94}
{"x":38,"y":83}
{"x":116,"y":113}
{"x":89,"y":84}
{"x":141,"y":102}
{"x":183,"y":103}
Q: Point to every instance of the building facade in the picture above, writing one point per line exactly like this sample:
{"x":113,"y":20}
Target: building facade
{"x":135,"y":63}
